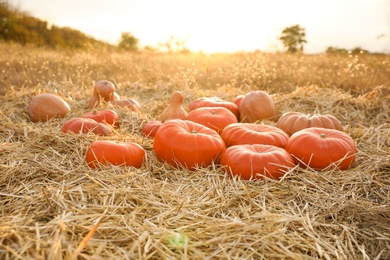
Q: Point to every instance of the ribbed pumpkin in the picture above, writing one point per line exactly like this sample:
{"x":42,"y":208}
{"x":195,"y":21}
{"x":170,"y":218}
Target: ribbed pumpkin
{"x":216,"y":118}
{"x":257,"y":106}
{"x":214,"y":102}
{"x":251,"y":133}
{"x":320,"y":148}
{"x":256,"y":161}
{"x":186,"y":144}
{"x":292,"y":122}
{"x":80,"y":125}
{"x":105,"y":152}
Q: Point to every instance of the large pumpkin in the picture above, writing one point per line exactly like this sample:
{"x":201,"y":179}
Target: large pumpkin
{"x":45,"y":106}
{"x":257,"y":106}
{"x":214,"y":102}
{"x":186,"y":144}
{"x":104,"y":152}
{"x":292,"y":122}
{"x":107,"y":116}
{"x":256,"y":161}
{"x":319,"y":148}
{"x":80,"y":125}
{"x":252,"y":133}
{"x":216,"y":118}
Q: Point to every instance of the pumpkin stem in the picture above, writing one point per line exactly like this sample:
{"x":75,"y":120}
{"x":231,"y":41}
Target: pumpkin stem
{"x":94,"y":111}
{"x":193,"y":131}
{"x":323,"y":136}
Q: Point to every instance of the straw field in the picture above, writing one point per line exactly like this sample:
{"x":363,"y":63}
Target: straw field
{"x":53,"y":206}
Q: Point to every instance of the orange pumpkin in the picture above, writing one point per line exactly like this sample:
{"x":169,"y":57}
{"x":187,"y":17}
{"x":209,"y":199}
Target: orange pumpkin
{"x":81,"y":125}
{"x":251,"y":133}
{"x":216,"y":118}
{"x":256,"y":161}
{"x":107,"y":116}
{"x":174,"y":110}
{"x":186,"y":144}
{"x":150,"y":128}
{"x":320,"y":148}
{"x":45,"y":106}
{"x":214,"y":102}
{"x":103,"y":91}
{"x":292,"y":122}
{"x":257,"y":106}
{"x":103,"y":152}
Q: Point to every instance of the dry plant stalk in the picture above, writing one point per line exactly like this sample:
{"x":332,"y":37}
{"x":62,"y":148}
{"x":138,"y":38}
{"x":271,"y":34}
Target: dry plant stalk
{"x":48,"y":195}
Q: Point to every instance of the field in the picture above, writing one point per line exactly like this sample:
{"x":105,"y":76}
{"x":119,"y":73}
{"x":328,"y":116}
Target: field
{"x":53,"y":206}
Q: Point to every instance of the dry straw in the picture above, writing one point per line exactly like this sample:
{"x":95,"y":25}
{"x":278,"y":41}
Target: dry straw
{"x":53,"y":206}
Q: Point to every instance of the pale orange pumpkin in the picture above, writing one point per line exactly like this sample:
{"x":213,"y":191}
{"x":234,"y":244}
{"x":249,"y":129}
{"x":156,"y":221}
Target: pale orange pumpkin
{"x":175,"y":109}
{"x":130,"y":103}
{"x":45,"y":106}
{"x":257,"y":106}
{"x":103,"y":91}
{"x":292,"y":122}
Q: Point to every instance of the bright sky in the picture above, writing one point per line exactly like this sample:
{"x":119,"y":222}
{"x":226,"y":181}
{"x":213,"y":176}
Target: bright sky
{"x":224,"y":25}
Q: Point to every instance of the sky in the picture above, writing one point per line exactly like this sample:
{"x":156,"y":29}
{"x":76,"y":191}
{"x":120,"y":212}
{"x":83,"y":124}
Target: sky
{"x":224,"y":25}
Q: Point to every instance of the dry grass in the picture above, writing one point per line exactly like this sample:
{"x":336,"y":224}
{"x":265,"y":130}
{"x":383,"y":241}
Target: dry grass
{"x":52,"y":206}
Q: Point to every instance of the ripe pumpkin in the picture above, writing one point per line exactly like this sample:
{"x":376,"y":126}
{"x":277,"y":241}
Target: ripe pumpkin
{"x":82,"y":125}
{"x":251,"y":133}
{"x":237,"y":100}
{"x":292,"y":122}
{"x":186,"y":144}
{"x":257,"y":106}
{"x":102,"y":91}
{"x":107,"y":116}
{"x":46,"y":106}
{"x":130,"y":103}
{"x":174,"y":110}
{"x":214,"y":102}
{"x":104,"y":152}
{"x":150,"y":128}
{"x":320,"y":148}
{"x":256,"y":161}
{"x":216,"y":118}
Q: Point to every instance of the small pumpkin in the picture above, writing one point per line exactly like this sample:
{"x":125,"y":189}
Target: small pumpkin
{"x":106,"y":116}
{"x":103,"y":91}
{"x":214,"y":102}
{"x":237,"y":100}
{"x":105,"y":152}
{"x":186,"y":144}
{"x":320,"y":148}
{"x":256,"y":161}
{"x":80,"y":125}
{"x":252,"y":133}
{"x":130,"y":103}
{"x":292,"y":122}
{"x":150,"y":128}
{"x":216,"y":118}
{"x":45,"y":106}
{"x":174,"y":110}
{"x":257,"y":106}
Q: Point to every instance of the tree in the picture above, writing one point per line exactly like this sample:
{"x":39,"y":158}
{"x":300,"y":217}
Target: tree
{"x":128,"y":42}
{"x":293,"y":38}
{"x":175,"y":44}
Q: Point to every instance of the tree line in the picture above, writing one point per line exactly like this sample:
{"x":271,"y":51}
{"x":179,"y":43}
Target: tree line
{"x":19,"y":27}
